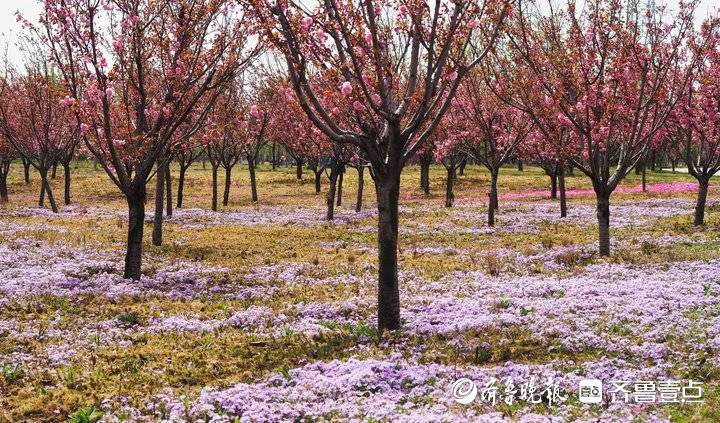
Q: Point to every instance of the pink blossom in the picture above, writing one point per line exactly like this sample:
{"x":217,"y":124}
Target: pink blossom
{"x":346,"y":88}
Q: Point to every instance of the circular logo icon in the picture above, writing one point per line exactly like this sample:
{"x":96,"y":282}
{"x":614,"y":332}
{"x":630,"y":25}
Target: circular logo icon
{"x":464,"y":391}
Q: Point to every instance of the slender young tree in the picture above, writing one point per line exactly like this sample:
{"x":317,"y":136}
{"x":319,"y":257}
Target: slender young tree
{"x":698,"y":122}
{"x":139,"y":69}
{"x":36,"y":117}
{"x":614,"y":82}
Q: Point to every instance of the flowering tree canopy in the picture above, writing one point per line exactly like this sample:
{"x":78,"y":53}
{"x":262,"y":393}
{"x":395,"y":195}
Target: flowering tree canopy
{"x":380,"y":75}
{"x":137,"y":70}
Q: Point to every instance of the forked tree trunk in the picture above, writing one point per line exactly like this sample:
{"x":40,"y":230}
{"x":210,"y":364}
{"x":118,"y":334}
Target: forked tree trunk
{"x":214,"y":187}
{"x":340,"y":185}
{"x":603,"y":216}
{"x":26,"y":170}
{"x":361,"y":186}
{"x":66,"y":174}
{"x":168,"y":191}
{"x":298,"y":169}
{"x":253,"y":181}
{"x":449,"y":195}
{"x":701,"y":200}
{"x":181,"y":186}
{"x":159,"y":203}
{"x":47,"y":189}
{"x":388,"y":191}
{"x":334,"y":171}
{"x":133,"y":255}
{"x":561,"y":187}
{"x":4,"y":170}
{"x":226,"y":192}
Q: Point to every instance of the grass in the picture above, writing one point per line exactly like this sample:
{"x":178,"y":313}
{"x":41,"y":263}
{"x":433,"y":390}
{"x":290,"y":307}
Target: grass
{"x":189,"y":361}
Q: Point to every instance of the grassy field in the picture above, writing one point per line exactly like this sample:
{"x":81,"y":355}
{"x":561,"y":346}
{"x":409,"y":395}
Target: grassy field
{"x":258,"y":297}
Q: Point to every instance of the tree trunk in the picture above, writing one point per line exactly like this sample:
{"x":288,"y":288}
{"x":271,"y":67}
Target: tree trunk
{"x":700,"y":204}
{"x":561,"y":187}
{"x":159,"y":203}
{"x":168,"y":191}
{"x":340,"y":185}
{"x":253,"y":181}
{"x":273,"y":156}
{"x":54,"y":170}
{"x":361,"y":186}
{"x":334,"y":171}
{"x":181,"y":186}
{"x":4,"y":169}
{"x":449,"y":196}
{"x":425,"y":177}
{"x":318,"y":176}
{"x":571,"y":170}
{"x":133,"y":255}
{"x":603,"y":216}
{"x":26,"y":170}
{"x":214,"y":187}
{"x":226,"y":193}
{"x":47,"y":189}
{"x":644,"y":180}
{"x":673,"y":163}
{"x":41,"y":201}
{"x":463,"y":163}
{"x":520,"y":165}
{"x":388,"y":191}
{"x":492,"y":206}
{"x":66,"y":174}
{"x":553,"y":184}
{"x":298,"y":169}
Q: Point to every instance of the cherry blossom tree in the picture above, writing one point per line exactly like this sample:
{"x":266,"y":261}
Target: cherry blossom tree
{"x":494,"y":129}
{"x":614,"y":82}
{"x":374,"y":74}
{"x":698,"y":121}
{"x":37,"y":119}
{"x":138,"y":69}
